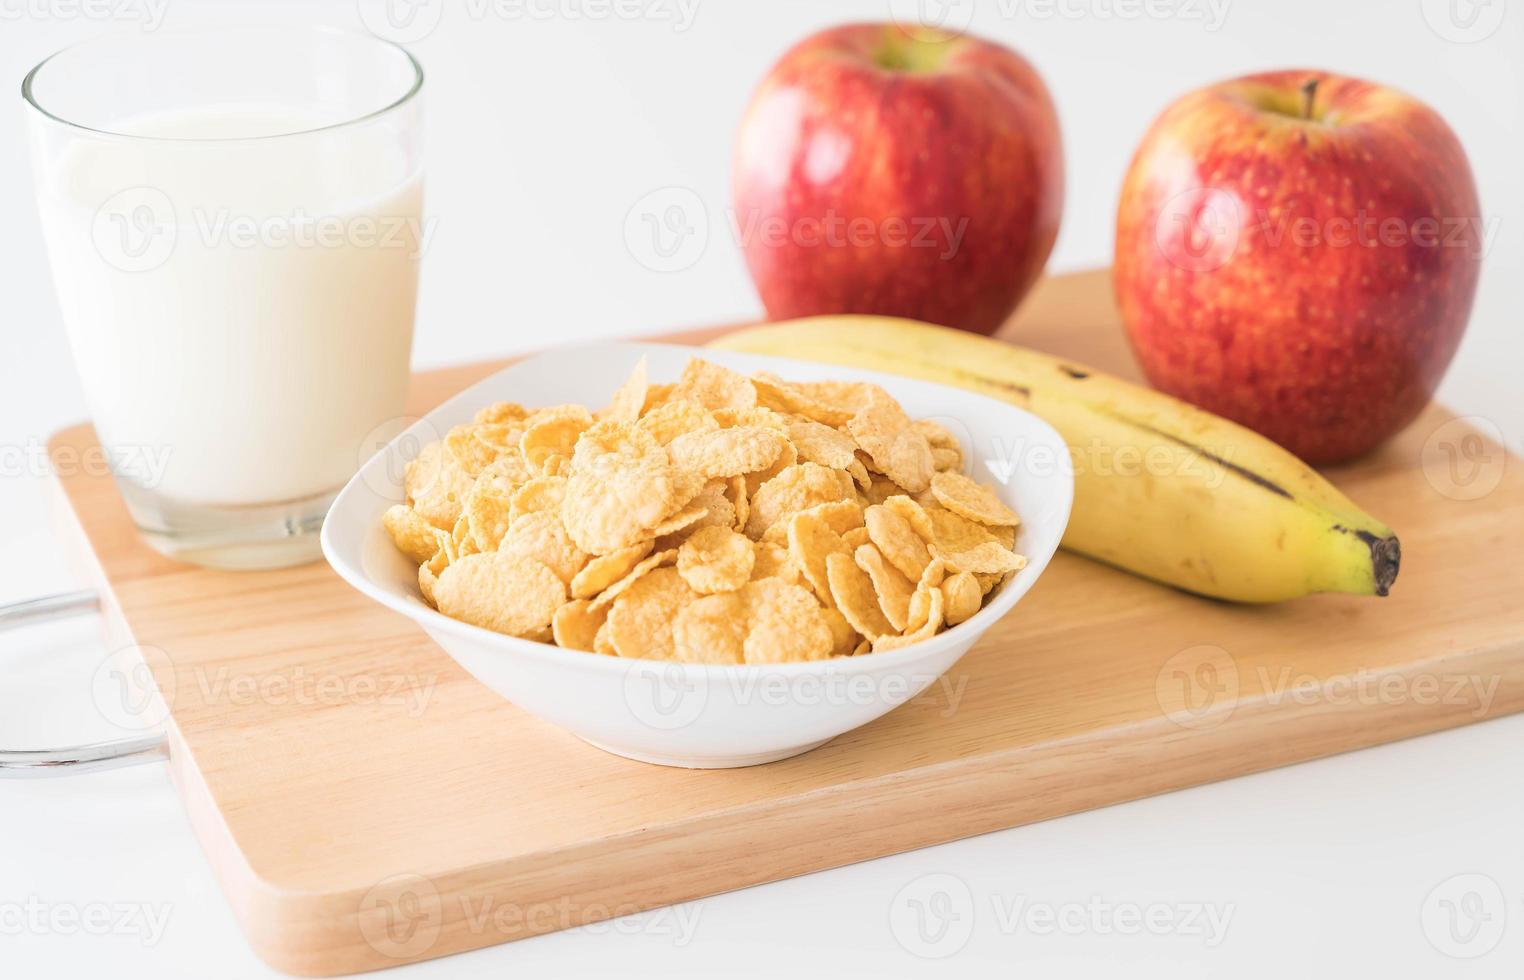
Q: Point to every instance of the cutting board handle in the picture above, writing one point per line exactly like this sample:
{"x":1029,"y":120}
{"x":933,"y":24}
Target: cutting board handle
{"x":74,"y":759}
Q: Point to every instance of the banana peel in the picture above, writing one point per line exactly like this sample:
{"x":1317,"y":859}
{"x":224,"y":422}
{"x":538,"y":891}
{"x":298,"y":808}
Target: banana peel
{"x":1162,"y":489}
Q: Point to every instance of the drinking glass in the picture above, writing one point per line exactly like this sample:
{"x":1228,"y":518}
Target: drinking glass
{"x":234,"y":224}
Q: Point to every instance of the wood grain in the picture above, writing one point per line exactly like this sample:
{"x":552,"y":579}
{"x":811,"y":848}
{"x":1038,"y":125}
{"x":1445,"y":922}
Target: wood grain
{"x":334,"y":762}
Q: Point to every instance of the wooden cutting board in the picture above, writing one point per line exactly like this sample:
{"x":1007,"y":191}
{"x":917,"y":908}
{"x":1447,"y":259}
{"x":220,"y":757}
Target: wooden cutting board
{"x":366,"y":803}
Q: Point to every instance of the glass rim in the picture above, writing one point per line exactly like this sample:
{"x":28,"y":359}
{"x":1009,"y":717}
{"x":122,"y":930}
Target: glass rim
{"x":29,"y":96}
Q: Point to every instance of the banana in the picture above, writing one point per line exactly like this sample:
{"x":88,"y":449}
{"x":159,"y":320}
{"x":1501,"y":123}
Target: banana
{"x":1162,"y":489}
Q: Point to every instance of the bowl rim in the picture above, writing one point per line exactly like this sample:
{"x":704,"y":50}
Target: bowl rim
{"x":352,"y":571}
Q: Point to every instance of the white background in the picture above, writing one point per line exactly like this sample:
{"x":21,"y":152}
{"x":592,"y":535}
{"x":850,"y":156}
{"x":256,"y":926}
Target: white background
{"x":547,"y":125}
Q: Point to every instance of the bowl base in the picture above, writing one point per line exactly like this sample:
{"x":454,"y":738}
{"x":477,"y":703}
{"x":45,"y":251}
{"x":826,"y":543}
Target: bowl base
{"x":707,"y":762}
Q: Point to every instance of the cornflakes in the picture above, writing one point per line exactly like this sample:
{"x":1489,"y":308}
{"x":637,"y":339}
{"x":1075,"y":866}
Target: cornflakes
{"x":540,"y":493}
{"x":784,"y":624}
{"x":724,"y":453}
{"x":797,"y":488}
{"x":716,"y":559}
{"x":711,"y":630}
{"x":635,"y":574}
{"x":621,"y":485}
{"x":853,"y":591}
{"x":604,"y":570}
{"x":628,"y":401}
{"x":720,"y":519}
{"x":898,"y":450}
{"x":894,"y":589}
{"x":542,"y":536}
{"x":487,"y":511}
{"x":505,"y":593}
{"x":896,"y":538}
{"x":713,"y":386}
{"x":576,"y":624}
{"x":971,"y":501}
{"x":988,"y":558}
{"x":413,"y":536}
{"x":811,"y":540}
{"x":556,"y":435}
{"x":640,"y":623}
{"x":774,"y":561}
{"x":963,"y":597}
{"x":668,"y":421}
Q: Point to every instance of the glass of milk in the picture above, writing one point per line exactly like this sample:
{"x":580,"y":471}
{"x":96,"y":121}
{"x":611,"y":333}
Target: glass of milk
{"x":234,"y":224}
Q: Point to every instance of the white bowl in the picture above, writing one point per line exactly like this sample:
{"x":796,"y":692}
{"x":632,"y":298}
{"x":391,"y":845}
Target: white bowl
{"x":692,"y":715}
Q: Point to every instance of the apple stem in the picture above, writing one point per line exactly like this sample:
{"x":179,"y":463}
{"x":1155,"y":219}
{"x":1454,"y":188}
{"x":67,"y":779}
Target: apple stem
{"x":1309,"y":92}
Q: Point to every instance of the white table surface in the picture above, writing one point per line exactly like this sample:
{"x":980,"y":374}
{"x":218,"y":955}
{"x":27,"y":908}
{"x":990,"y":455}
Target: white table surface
{"x":549,"y":122}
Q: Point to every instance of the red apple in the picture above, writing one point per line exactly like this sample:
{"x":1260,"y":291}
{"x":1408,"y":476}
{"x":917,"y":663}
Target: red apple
{"x":1298,"y":251}
{"x":909,"y":174}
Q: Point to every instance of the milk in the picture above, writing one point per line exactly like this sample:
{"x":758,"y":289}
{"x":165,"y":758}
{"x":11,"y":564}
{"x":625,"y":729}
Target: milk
{"x":241,"y":311}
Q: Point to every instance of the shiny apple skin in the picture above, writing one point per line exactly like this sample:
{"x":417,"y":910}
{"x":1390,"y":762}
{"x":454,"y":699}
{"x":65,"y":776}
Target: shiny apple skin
{"x":972,"y":144}
{"x":1254,"y":273}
